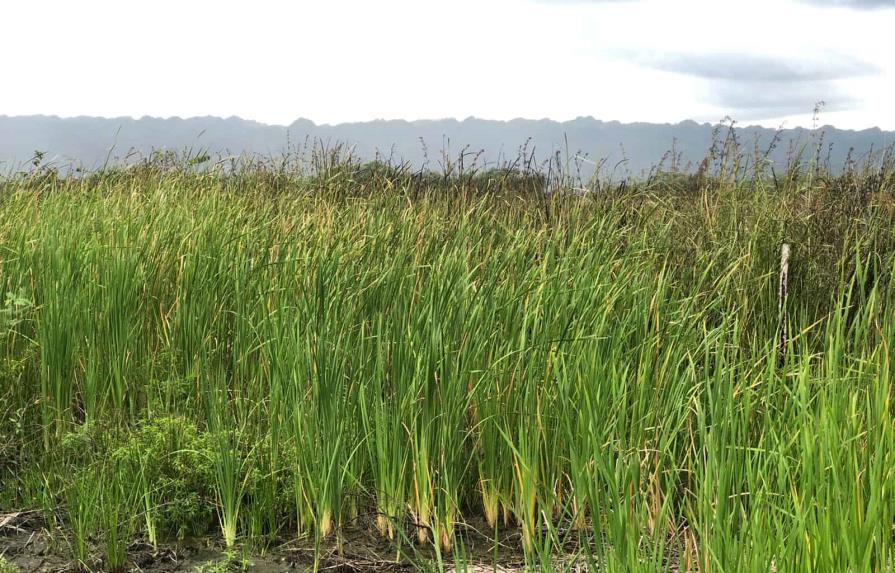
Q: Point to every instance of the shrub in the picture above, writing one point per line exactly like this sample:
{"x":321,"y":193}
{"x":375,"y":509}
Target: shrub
{"x":171,"y":457}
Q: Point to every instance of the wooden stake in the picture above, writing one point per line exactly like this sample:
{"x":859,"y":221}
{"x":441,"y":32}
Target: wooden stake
{"x":782,"y":314}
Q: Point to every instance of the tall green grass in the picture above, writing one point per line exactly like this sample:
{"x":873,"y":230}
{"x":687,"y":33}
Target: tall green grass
{"x":588,"y":378}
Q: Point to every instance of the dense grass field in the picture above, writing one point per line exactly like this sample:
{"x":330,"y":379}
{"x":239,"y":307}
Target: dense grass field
{"x":450,"y":370}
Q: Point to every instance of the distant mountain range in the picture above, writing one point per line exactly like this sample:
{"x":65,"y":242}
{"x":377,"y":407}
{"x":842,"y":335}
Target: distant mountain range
{"x":630,"y":148}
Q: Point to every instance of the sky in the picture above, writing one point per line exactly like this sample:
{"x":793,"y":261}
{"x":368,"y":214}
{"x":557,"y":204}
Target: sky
{"x":761,"y":62}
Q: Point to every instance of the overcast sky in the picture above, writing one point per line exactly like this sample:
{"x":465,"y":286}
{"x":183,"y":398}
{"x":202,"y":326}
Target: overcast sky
{"x":759,"y":61}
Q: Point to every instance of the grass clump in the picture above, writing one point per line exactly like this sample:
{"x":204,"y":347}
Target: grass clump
{"x":170,"y":461}
{"x":229,"y":563}
{"x":580,"y":376}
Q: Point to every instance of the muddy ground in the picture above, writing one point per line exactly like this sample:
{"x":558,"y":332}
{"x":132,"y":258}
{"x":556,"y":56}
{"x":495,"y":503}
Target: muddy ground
{"x":28,"y":543}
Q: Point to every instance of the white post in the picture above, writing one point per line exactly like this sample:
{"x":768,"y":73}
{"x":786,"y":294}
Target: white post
{"x":782,"y":314}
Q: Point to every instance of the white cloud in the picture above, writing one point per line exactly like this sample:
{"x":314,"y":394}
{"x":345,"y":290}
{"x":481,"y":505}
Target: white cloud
{"x":345,"y":60}
{"x":860,"y":4}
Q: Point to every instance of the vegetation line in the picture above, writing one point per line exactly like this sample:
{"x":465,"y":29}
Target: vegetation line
{"x":476,"y":367}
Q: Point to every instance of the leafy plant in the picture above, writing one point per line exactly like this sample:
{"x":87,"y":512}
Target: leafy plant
{"x":16,"y":307}
{"x":169,"y":459}
{"x":7,"y":567}
{"x":229,"y":563}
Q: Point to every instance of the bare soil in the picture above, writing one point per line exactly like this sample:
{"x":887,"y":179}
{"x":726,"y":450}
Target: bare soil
{"x":27,"y":542}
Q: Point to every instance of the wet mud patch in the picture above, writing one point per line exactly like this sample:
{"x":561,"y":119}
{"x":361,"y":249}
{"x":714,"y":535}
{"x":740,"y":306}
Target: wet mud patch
{"x":30,"y":545}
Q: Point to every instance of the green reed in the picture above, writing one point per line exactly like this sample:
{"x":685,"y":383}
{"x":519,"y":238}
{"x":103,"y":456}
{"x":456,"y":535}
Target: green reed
{"x":597,"y":376}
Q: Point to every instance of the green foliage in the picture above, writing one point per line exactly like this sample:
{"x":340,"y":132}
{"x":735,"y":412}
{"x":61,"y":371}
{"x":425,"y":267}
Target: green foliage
{"x":116,"y":508}
{"x":597,"y":373}
{"x":83,"y":443}
{"x":13,"y":414}
{"x":169,"y":395}
{"x":7,"y":567}
{"x":13,"y":311}
{"x":171,"y":458}
{"x":82,"y":500}
{"x":229,"y":563}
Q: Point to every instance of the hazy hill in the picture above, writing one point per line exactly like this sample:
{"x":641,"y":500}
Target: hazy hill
{"x":89,"y":141}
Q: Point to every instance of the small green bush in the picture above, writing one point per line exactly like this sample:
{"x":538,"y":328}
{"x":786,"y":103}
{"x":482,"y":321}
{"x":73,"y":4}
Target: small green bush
{"x":83,"y":444}
{"x":229,"y":563}
{"x":173,"y":459}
